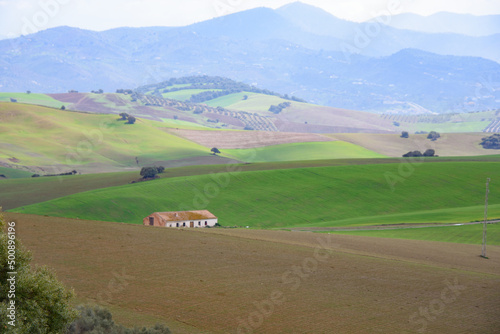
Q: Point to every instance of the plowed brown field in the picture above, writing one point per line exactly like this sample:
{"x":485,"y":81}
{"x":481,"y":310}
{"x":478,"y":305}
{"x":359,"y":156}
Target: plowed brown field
{"x":242,"y":281}
{"x":246,"y":139}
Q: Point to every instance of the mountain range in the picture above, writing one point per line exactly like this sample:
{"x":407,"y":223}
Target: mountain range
{"x":297,"y":49}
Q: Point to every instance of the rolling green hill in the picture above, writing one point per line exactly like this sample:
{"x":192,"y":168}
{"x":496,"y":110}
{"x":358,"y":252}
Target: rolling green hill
{"x":303,"y":151}
{"x":39,"y":136}
{"x":32,"y":98}
{"x":322,"y":196}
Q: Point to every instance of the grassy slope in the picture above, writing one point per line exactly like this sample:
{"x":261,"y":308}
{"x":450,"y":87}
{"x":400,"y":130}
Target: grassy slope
{"x":290,"y":198}
{"x":12,"y":173}
{"x":228,"y":101}
{"x":303,"y":151}
{"x":465,"y":234}
{"x":40,"y":99}
{"x":258,"y":103}
{"x":43,"y":136}
{"x":29,"y":190}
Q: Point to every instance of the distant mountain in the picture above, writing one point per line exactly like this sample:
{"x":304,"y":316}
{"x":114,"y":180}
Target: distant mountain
{"x":296,"y":50}
{"x":444,"y":22}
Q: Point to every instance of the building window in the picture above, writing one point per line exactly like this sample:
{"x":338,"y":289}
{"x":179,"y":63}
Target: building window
{"x":184,"y":224}
{"x":151,"y":221}
{"x":199,"y":223}
{"x":206,"y":223}
{"x":177,"y":224}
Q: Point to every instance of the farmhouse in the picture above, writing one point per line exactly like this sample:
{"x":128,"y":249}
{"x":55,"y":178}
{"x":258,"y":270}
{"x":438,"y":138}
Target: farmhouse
{"x":191,"y":219}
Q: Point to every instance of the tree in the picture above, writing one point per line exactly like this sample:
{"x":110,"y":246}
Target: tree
{"x":149,"y":172}
{"x":42,"y":304}
{"x":63,"y":108}
{"x":412,"y":154}
{"x":405,"y":134}
{"x":130,"y":120}
{"x":160,"y":169}
{"x":492,"y":142}
{"x":433,"y":135}
{"x":123,"y":116}
{"x":429,"y":153}
{"x":215,"y":150}
{"x":245,"y":97}
{"x":28,"y":92}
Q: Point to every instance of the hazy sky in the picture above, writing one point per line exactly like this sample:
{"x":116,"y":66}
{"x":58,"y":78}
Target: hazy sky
{"x":27,"y":16}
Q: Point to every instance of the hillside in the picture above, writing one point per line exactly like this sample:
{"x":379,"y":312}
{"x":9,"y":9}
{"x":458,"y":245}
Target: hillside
{"x":53,"y":141}
{"x":296,"y":50}
{"x":310,"y":197}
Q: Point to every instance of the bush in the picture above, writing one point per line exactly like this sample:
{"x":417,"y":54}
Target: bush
{"x":492,"y":142}
{"x":433,"y":135}
{"x":149,"y":172}
{"x":413,"y":154}
{"x":429,"y":153}
{"x":405,"y":134}
{"x":160,"y":169}
{"x":94,"y":320}
{"x":131,"y":120}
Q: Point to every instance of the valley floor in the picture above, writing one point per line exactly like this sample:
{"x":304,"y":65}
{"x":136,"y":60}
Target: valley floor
{"x":242,"y":281}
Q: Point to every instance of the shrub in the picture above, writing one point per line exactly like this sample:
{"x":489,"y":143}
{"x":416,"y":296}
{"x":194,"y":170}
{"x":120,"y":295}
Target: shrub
{"x":149,"y":172}
{"x":491,"y":142}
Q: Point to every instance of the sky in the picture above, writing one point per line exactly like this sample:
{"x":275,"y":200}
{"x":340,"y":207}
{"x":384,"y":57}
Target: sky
{"x":22,"y":17}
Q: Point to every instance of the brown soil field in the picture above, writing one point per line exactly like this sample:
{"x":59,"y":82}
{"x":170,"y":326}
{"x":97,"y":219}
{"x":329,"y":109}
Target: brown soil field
{"x":250,"y":281}
{"x":246,"y":139}
{"x":81,"y":101}
{"x":392,"y":145}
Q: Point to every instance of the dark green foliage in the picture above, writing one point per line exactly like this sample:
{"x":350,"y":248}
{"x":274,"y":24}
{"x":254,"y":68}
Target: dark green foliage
{"x":63,"y":108}
{"x":42,"y":303}
{"x":245,"y":97}
{"x":131,"y":120}
{"x":405,"y":134}
{"x":215,"y":150}
{"x":97,"y":320}
{"x":123,"y":116}
{"x":13,"y":100}
{"x":149,"y":172}
{"x":492,"y":142}
{"x":413,"y":154}
{"x":433,"y":135}
{"x":100,"y":91}
{"x":396,"y":123}
{"x":279,"y":108}
{"x":160,"y":169}
{"x":429,"y":153}
{"x":28,"y":92}
{"x":35,"y":175}
{"x":227,"y":86}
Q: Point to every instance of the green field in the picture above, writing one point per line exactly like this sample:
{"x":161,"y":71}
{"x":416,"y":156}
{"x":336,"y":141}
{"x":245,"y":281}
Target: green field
{"x":259,"y":103}
{"x":464,"y":234}
{"x":320,"y":196}
{"x":12,"y":173}
{"x":39,"y":136}
{"x":228,"y":100}
{"x":40,"y":99}
{"x":303,"y":151}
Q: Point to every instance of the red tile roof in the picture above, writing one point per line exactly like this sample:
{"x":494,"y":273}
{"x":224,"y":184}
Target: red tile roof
{"x":186,"y":215}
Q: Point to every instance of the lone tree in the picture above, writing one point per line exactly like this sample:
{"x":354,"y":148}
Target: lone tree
{"x":405,"y":134}
{"x":149,"y":172}
{"x":63,"y":108}
{"x":124,"y":116}
{"x":130,"y":120}
{"x":42,"y":303}
{"x":433,"y":135}
{"x":215,"y":151}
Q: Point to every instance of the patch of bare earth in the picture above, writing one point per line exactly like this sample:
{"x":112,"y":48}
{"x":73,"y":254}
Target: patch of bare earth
{"x":246,"y":139}
{"x":246,"y":281}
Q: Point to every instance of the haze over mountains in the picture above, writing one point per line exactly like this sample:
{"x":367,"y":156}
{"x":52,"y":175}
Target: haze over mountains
{"x":297,"y":49}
